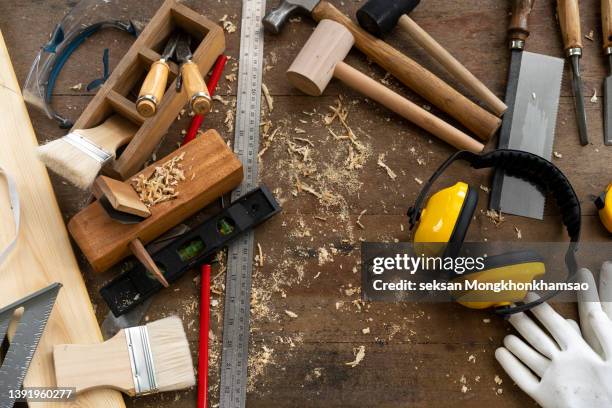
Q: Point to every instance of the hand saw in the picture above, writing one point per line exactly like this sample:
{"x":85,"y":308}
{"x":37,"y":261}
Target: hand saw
{"x":29,"y":329}
{"x":532,"y":96}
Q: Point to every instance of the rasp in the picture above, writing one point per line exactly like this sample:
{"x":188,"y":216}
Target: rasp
{"x":532,"y":96}
{"x":569,"y":19}
{"x":606,"y":17}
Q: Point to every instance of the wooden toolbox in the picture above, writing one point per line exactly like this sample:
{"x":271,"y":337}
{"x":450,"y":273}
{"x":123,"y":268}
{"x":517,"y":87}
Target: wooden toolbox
{"x":211,"y":170}
{"x":118,"y":95}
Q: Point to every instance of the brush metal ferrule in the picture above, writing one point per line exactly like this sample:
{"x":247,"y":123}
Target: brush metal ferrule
{"x":141,"y":360}
{"x":95,"y":152}
{"x":574,"y":51}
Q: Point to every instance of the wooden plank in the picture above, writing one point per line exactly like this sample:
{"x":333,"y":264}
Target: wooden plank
{"x":43,"y":254}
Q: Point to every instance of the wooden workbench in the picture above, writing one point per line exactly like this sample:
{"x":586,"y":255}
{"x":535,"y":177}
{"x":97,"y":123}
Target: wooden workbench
{"x":416,"y":355}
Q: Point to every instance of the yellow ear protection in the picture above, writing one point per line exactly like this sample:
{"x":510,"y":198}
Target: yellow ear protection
{"x":447,"y":215}
{"x":604,"y":207}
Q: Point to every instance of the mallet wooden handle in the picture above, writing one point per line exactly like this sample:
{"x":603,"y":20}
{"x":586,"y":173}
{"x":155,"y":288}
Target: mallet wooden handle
{"x":450,"y":63}
{"x":152,"y":90}
{"x":569,"y":18}
{"x":402,"y":106}
{"x":519,"y":21}
{"x":197,"y":91}
{"x":606,"y":18}
{"x":483,"y":123}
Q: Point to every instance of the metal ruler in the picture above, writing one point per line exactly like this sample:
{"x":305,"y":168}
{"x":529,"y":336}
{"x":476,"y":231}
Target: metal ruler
{"x":234,"y":357}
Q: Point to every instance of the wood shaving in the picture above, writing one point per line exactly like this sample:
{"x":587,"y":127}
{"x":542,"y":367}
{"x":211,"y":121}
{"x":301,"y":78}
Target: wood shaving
{"x":519,"y":235}
{"x":227,"y":24}
{"x":590,"y":35}
{"x":485,"y":189}
{"x":77,"y":87}
{"x":418,"y":180}
{"x":594,"y":97}
{"x":229,"y":120}
{"x":230,"y":77}
{"x":496,"y":217}
{"x":259,"y":258}
{"x":160,"y":186}
{"x":291,"y":314}
{"x":472,"y":359}
{"x":498,"y":380}
{"x":557,"y":155}
{"x":358,"y":222}
{"x":366,"y":330}
{"x":381,"y":163}
{"x":268,"y":97}
{"x":359,"y":353}
{"x":299,"y":130}
{"x":218,"y":98}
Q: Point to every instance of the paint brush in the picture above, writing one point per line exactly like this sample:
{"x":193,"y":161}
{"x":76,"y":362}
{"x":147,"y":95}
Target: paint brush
{"x":80,"y":155}
{"x":137,"y":360}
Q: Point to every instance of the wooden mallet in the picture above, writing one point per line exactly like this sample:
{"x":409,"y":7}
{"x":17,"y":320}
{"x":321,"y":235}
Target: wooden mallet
{"x":322,"y":58}
{"x":379,"y":17}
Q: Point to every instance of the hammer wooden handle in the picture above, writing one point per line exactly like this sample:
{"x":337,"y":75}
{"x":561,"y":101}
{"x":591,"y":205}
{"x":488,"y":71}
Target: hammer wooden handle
{"x":478,"y":120}
{"x":197,"y":91}
{"x":450,"y":63}
{"x":519,"y":21}
{"x":569,"y":18}
{"x":403,"y":107}
{"x":153,"y":87}
{"x":606,"y":18}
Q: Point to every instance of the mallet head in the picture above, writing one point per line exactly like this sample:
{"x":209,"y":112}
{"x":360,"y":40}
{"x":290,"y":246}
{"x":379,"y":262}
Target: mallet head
{"x":378,"y":17}
{"x":274,"y":21}
{"x":314,"y":66}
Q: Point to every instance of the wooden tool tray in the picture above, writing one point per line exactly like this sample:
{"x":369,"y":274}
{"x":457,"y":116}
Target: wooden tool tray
{"x":211,"y":170}
{"x":118,"y":95}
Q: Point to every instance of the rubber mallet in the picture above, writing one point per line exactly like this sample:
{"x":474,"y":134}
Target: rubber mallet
{"x":379,"y":17}
{"x":321,"y":59}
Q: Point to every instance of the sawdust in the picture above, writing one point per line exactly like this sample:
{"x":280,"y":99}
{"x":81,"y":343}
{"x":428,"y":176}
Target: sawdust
{"x":291,"y":314}
{"x":382,"y":164}
{"x":268,"y":97}
{"x":160,"y":186}
{"x":258,"y":361}
{"x":359,"y":353}
{"x":496,"y":217}
{"x":228,"y":25}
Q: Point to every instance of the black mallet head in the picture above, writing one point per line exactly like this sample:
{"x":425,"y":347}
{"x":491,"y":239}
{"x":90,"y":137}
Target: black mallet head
{"x":378,"y":17}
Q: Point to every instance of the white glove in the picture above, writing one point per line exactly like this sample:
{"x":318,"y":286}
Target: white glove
{"x":561,"y":369}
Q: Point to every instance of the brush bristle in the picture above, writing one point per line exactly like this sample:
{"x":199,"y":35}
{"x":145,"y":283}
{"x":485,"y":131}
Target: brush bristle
{"x":70,"y":162}
{"x":171,"y":355}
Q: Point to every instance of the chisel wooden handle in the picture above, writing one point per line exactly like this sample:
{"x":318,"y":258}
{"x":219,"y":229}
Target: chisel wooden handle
{"x":519,"y":21}
{"x":402,"y":106}
{"x":197,"y":92}
{"x":569,"y":18}
{"x":483,"y":123}
{"x":153,"y":87}
{"x":606,"y":18}
{"x":450,"y":63}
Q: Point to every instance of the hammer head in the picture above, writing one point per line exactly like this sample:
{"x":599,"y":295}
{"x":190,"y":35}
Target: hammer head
{"x":378,"y":17}
{"x":274,"y":21}
{"x":314,"y":66}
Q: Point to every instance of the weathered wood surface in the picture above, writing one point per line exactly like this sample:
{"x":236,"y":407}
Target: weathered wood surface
{"x":415,"y":354}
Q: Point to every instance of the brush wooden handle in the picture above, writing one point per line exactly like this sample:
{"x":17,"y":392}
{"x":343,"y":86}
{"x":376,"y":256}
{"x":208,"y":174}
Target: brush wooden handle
{"x":483,"y":123}
{"x":153,"y":88}
{"x":113,"y":133}
{"x":197,"y":91}
{"x":402,"y":106}
{"x":606,"y":18}
{"x":450,"y":63}
{"x":519,"y":21}
{"x":569,"y":19}
{"x":91,"y":366}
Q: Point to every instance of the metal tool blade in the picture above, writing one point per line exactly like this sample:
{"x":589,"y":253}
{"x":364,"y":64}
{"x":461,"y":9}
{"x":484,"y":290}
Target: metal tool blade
{"x":183,"y":50}
{"x":36,"y":310}
{"x":170,"y":46}
{"x":579,"y":100}
{"x":531,"y":128}
{"x":112,"y":324}
{"x":608,"y":106}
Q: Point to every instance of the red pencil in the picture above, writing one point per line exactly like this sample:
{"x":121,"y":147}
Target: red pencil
{"x":204,"y":327}
{"x":212,"y":85}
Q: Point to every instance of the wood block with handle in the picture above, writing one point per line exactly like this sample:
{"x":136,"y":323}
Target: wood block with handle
{"x":211,"y":169}
{"x":122,"y":196}
{"x":43,"y":254}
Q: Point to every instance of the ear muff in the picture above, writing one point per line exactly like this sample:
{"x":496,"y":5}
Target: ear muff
{"x":519,"y":266}
{"x":445,"y":219}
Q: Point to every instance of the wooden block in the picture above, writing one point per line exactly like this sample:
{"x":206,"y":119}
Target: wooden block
{"x":43,"y":254}
{"x":122,"y":196}
{"x":211,"y":169}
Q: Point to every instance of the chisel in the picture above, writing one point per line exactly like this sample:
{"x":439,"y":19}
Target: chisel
{"x":606,"y":16}
{"x":569,"y":18}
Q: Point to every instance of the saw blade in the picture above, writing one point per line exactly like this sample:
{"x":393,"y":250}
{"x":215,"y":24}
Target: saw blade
{"x":532,"y":129}
{"x":31,"y":324}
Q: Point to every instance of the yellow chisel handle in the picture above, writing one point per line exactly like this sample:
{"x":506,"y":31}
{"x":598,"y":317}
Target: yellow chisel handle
{"x":569,"y":18}
{"x":197,"y":92}
{"x":606,"y":18}
{"x":152,"y":90}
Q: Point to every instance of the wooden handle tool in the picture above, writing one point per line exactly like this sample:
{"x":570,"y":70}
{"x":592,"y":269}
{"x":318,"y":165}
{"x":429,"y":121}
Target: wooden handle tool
{"x":569,"y":19}
{"x":321,"y":59}
{"x":483,"y":123}
{"x":518,"y":30}
{"x":197,"y":91}
{"x":606,"y":18}
{"x":153,"y":89}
